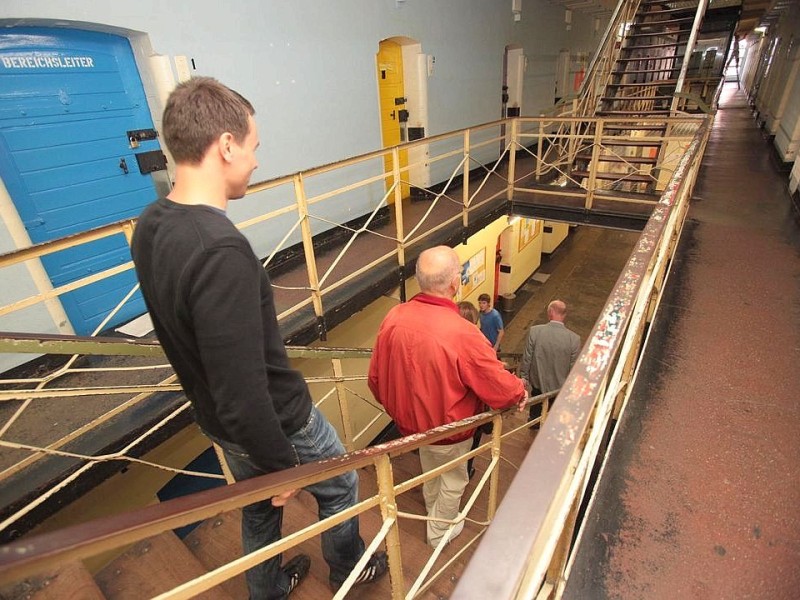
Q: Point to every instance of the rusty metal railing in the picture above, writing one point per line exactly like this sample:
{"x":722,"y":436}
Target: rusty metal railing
{"x":47,"y":552}
{"x":553,"y":479}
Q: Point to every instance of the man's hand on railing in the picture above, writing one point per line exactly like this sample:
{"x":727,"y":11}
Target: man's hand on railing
{"x":282,"y":499}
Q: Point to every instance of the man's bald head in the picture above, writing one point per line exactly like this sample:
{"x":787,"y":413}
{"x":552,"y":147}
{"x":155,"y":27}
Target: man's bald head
{"x":557,"y":311}
{"x":438,"y":270}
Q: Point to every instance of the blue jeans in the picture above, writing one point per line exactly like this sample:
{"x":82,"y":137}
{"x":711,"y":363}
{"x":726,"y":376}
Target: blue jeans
{"x":342,"y":545}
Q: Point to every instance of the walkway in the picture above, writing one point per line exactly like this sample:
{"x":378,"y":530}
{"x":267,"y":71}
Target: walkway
{"x":699,"y":497}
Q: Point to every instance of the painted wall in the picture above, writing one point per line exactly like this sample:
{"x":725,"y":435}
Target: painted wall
{"x":309,"y":66}
{"x":772,"y":79}
{"x":522,"y":253}
{"x":309,"y":69}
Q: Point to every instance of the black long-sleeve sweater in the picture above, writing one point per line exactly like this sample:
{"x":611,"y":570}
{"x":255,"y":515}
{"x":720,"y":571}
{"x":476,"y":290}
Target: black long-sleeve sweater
{"x":213,"y":311}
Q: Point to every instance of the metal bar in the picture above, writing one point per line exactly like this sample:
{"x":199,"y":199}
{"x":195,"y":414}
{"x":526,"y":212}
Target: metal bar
{"x":544,"y":482}
{"x":344,"y":409}
{"x":308,"y":245}
{"x":388,"y":504}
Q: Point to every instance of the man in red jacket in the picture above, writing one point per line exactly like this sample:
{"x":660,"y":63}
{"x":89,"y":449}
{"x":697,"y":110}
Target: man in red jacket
{"x":431,"y":367}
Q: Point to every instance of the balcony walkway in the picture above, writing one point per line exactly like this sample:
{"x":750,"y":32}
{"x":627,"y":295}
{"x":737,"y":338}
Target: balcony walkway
{"x":699,"y":495}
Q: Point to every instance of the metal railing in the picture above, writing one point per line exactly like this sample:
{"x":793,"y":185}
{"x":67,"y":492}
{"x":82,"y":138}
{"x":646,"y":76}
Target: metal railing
{"x":47,"y":552}
{"x":553,"y":479}
{"x":387,"y":249}
{"x":532,"y":149}
{"x":596,"y":388}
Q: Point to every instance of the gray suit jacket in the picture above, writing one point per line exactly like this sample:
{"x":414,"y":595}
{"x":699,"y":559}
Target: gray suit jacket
{"x":550,"y":352}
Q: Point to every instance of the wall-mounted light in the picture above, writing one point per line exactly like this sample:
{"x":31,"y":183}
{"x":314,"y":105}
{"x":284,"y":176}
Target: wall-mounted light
{"x":516,"y":9}
{"x":568,"y":18}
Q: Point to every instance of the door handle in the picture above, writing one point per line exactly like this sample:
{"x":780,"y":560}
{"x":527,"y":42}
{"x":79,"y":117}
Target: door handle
{"x":392,"y":115}
{"x":123,"y":165}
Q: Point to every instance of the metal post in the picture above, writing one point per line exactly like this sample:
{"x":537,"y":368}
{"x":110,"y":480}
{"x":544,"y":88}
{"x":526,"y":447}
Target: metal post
{"x":308,"y":248}
{"x":383,"y":472}
{"x":398,"y":209}
{"x":512,"y":159}
{"x":698,"y":19}
{"x":494,"y":478}
{"x":465,"y":182}
{"x":592,"y":181}
{"x":344,"y":409}
{"x":540,"y":149}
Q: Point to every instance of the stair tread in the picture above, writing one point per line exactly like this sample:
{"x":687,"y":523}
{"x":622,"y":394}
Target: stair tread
{"x":656,"y":83}
{"x":652,"y":46}
{"x":635,"y":58}
{"x":71,"y":581}
{"x":646,"y":127}
{"x":151,"y":567}
{"x":635,"y":98}
{"x":633,"y":113}
{"x":663,"y":22}
{"x":666,"y":11}
{"x":217,"y":541}
{"x":643,"y":160}
{"x":657,"y":33}
{"x":633,"y":177}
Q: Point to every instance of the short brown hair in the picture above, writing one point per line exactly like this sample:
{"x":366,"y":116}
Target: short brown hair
{"x":200,"y":110}
{"x":485,"y":298}
{"x":468,"y":311}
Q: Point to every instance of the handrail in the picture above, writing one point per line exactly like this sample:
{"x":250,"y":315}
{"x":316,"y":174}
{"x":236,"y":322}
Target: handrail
{"x":32,"y":555}
{"x":543,"y":493}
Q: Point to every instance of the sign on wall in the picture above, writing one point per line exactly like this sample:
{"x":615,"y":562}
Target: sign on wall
{"x":473,"y":273}
{"x":528,"y":230}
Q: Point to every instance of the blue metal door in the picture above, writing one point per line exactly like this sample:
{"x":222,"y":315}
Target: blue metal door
{"x":68,"y":99}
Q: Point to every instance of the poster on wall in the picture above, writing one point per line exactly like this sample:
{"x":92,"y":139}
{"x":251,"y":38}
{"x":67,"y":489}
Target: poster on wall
{"x":528,"y":230}
{"x":473,"y":273}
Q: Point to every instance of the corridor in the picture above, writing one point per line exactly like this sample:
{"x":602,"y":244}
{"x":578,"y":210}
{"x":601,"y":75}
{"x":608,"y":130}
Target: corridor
{"x":699,"y":493}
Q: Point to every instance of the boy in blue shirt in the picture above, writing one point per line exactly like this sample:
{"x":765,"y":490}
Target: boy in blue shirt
{"x":491,"y":322}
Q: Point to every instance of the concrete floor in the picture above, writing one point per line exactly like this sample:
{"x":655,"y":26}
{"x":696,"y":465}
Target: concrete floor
{"x":581,"y":272}
{"x":699,"y":497}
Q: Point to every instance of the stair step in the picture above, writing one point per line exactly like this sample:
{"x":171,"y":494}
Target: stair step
{"x":635,"y":160}
{"x":632,"y":113}
{"x":662,"y":22}
{"x":660,"y":2}
{"x":655,"y":83}
{"x":648,"y":57}
{"x":151,"y":567}
{"x":217,"y":541}
{"x":71,"y":581}
{"x":633,"y":98}
{"x":640,"y":127}
{"x":665,"y":11}
{"x":630,"y":177}
{"x":658,"y":33}
{"x":651,"y":46}
{"x":639,"y":142}
{"x":643,"y":71}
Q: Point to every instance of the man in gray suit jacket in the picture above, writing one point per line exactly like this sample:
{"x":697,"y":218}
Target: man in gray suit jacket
{"x":550,"y":352}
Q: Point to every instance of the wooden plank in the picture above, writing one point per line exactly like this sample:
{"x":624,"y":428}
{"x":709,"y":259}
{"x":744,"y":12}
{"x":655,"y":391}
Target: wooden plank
{"x":151,"y":567}
{"x":71,"y":582}
{"x":218,"y":541}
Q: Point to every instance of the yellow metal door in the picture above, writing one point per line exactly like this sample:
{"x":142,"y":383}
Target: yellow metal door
{"x":392,"y":100}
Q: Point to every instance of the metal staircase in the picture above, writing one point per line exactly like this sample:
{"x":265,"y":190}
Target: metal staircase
{"x":648,"y":70}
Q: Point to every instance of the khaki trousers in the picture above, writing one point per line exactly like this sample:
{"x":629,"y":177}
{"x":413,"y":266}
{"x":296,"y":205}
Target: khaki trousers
{"x":443,"y":493}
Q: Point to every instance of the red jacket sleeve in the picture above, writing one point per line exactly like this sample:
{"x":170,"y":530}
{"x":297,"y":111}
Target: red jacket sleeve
{"x":485,"y":375}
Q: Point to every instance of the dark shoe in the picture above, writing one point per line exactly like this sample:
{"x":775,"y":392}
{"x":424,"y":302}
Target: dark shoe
{"x":375,"y":569}
{"x":296,"y":570}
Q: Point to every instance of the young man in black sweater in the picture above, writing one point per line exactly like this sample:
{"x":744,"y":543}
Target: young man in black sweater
{"x":213,"y":311}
